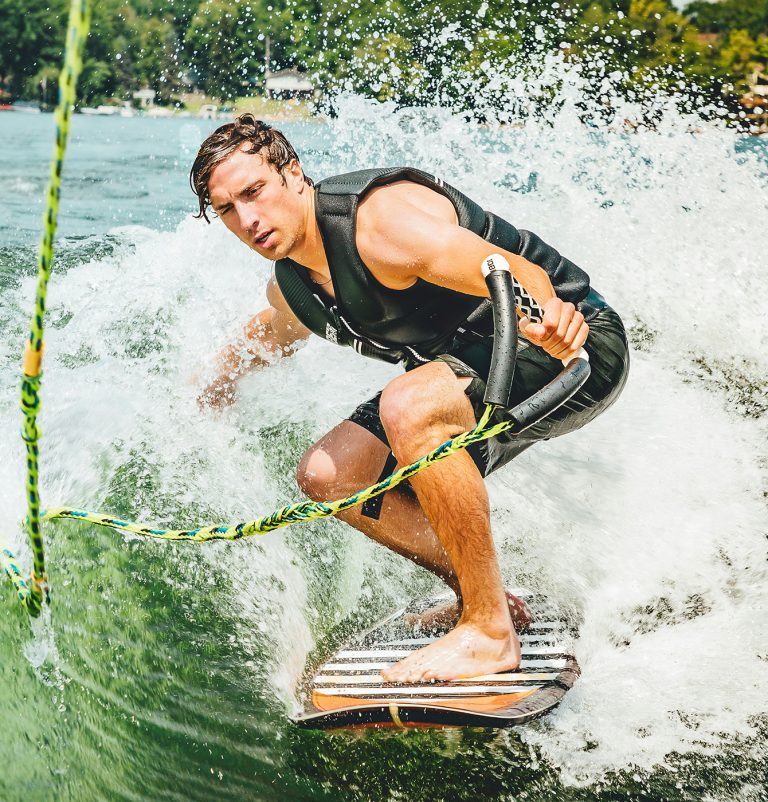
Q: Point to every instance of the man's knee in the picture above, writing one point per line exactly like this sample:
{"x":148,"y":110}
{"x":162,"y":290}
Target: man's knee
{"x":317,"y":474}
{"x":340,"y":463}
{"x":404,"y":408}
{"x":414,"y":408}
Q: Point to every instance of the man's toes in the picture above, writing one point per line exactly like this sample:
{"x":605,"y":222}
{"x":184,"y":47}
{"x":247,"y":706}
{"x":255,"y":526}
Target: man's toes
{"x":396,"y":673}
{"x":436,"y":676}
{"x":408,"y":676}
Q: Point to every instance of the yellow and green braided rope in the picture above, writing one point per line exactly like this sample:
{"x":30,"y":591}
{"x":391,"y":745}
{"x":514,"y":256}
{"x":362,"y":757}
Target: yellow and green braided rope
{"x":32,"y":593}
{"x":294,"y":513}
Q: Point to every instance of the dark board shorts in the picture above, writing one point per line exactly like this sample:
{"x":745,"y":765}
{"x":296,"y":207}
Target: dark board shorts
{"x":471,"y":358}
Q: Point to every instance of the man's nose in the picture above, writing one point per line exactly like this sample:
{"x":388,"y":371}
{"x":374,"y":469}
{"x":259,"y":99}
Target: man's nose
{"x":249,"y":219}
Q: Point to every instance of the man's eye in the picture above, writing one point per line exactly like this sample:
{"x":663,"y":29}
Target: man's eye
{"x":253,"y":191}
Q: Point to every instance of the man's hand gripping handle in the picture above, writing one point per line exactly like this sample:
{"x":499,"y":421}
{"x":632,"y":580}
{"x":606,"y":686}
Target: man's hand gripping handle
{"x":532,"y":312}
{"x":507,"y":294}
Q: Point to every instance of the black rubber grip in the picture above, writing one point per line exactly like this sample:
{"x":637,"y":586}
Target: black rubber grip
{"x":552,"y":395}
{"x":504,"y":353}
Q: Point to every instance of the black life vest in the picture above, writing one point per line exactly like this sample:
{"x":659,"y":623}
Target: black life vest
{"x":416,"y":324}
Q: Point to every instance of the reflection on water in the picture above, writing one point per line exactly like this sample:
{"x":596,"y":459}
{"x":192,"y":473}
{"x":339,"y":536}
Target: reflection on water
{"x":168,"y":671}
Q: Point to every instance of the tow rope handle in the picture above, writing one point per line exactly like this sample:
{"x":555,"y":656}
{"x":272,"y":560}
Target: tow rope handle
{"x":506,"y":292}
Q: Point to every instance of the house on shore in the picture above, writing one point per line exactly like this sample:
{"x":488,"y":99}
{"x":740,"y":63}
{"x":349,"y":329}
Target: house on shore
{"x":145,"y":97}
{"x":289,"y":83}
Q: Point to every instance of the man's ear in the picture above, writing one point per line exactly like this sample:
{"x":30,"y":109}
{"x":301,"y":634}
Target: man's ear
{"x":295,"y":172}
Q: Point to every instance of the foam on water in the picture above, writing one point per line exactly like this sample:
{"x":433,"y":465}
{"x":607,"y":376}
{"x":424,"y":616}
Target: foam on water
{"x":648,"y":526}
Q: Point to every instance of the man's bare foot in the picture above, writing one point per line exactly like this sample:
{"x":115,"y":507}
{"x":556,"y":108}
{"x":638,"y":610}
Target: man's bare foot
{"x":447,"y":615}
{"x":466,"y":651}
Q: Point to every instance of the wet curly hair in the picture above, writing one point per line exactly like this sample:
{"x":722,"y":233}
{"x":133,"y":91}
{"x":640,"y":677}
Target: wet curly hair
{"x":225,"y":140}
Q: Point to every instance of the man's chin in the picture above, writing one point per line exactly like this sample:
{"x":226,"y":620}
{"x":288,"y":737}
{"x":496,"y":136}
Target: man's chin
{"x":280,"y":249}
{"x":275,"y":253}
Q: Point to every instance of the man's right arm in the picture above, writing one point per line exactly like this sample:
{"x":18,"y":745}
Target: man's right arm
{"x":272,"y":334}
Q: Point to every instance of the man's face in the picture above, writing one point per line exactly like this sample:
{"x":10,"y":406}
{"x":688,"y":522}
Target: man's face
{"x":265,"y":209}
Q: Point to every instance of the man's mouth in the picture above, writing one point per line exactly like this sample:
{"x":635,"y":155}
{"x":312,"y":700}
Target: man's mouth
{"x":262,"y":240}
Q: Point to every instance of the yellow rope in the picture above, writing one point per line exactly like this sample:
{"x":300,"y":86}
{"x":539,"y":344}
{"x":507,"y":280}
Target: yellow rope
{"x":33,"y":593}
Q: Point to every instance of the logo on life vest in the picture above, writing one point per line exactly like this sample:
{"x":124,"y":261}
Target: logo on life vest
{"x":330,"y":334}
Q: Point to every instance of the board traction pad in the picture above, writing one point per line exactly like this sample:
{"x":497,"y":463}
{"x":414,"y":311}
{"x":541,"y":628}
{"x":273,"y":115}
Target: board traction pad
{"x":347,"y":690}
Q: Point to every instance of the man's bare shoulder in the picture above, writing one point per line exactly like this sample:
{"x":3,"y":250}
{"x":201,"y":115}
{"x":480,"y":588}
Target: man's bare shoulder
{"x":275,"y":296}
{"x":396,"y":225}
{"x":285,"y":325}
{"x":402,"y":197}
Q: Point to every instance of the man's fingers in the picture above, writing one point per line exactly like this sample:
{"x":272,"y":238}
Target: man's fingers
{"x":557,"y":318}
{"x":561,"y":332}
{"x":567,"y":314}
{"x":218,"y":393}
{"x":552,"y":312}
{"x":564,"y":351}
{"x":581,"y":337}
{"x":526,"y":327}
{"x":574,"y":327}
{"x":533,"y":331}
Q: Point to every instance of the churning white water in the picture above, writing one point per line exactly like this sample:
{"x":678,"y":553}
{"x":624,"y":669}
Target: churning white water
{"x":648,"y":526}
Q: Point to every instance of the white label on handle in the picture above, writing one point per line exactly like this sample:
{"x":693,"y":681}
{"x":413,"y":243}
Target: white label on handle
{"x":494,"y":262}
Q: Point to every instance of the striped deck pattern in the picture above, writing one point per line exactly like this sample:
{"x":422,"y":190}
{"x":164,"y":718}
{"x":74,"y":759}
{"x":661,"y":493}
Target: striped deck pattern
{"x":348,"y":689}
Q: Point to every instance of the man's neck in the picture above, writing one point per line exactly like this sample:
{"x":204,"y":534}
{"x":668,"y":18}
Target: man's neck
{"x":309,"y":250}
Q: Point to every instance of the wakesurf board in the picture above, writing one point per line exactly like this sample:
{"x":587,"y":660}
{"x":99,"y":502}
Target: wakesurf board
{"x":348,"y":691}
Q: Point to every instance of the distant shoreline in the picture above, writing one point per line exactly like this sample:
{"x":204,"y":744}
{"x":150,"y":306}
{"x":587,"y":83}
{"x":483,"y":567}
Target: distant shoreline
{"x":271,"y":110}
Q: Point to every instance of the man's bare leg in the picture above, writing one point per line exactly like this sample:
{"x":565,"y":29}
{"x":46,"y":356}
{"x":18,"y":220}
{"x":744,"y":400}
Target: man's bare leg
{"x":403,"y":527}
{"x":456,"y":506}
{"x":419,"y":411}
{"x":348,"y":458}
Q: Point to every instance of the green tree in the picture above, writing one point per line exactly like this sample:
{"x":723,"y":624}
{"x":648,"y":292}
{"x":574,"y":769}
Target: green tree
{"x":31,"y":37}
{"x":455,"y":52}
{"x":728,"y":15}
{"x":126,"y":51}
{"x":157,"y":63}
{"x":739,"y":56}
{"x":225,"y":45}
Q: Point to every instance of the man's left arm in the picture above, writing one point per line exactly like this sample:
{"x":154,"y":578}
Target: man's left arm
{"x":404,"y":243}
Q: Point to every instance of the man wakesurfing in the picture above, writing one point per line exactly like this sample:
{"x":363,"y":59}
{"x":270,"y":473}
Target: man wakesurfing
{"x":388,"y":261}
